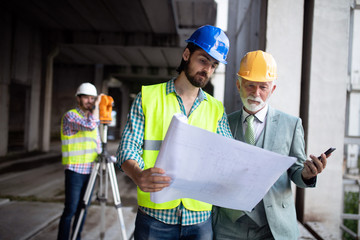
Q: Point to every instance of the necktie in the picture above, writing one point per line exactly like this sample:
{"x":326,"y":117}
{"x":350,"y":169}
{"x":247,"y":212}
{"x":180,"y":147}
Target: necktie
{"x":250,"y":131}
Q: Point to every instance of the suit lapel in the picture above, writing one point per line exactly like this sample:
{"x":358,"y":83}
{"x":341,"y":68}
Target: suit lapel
{"x":271,"y":128}
{"x":239,"y":128}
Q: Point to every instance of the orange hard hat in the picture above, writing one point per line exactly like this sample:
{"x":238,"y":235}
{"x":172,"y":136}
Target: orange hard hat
{"x":258,"y":66}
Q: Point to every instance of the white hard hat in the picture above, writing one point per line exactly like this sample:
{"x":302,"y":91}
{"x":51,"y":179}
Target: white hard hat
{"x":86,"y":89}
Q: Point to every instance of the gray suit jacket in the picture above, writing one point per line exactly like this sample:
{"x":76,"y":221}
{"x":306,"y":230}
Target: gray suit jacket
{"x":283,"y":134}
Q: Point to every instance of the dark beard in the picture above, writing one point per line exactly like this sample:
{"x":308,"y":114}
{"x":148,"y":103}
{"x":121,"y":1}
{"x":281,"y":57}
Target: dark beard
{"x":89,"y":107}
{"x":192,"y":78}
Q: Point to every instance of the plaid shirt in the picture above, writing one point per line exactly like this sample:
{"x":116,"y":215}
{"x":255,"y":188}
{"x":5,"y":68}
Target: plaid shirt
{"x":131,"y":148}
{"x":72,"y":124}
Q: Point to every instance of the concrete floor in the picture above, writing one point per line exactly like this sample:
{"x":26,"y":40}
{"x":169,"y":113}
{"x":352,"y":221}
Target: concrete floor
{"x":32,"y":196}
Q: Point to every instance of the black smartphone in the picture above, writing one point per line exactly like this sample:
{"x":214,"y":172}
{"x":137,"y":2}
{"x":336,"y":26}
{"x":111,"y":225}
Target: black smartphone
{"x":327,"y":153}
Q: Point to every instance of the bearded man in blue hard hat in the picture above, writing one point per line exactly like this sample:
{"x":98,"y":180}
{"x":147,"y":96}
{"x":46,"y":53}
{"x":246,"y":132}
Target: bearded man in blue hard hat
{"x":148,"y":121}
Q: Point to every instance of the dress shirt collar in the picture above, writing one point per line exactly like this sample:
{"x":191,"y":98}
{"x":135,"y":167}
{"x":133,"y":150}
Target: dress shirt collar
{"x":260,"y":115}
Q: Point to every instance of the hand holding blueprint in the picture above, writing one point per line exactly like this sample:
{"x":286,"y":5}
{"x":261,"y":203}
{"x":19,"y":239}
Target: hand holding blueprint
{"x":211,"y":168}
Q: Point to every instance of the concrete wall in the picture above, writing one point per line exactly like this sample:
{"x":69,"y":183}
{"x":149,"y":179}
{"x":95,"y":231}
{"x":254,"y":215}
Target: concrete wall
{"x":354,"y":104}
{"x":284,"y":41}
{"x":20,"y":84}
{"x":326,"y":123}
{"x":327,"y":91}
{"x":245,"y":34}
{"x":5,"y":46}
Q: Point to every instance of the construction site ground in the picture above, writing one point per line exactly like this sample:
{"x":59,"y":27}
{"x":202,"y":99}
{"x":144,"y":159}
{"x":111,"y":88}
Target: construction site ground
{"x":32,"y":199}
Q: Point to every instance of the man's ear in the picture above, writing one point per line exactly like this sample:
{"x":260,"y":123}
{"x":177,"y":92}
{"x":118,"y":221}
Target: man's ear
{"x":186,"y":54}
{"x":273,"y":88}
{"x":238,"y":84}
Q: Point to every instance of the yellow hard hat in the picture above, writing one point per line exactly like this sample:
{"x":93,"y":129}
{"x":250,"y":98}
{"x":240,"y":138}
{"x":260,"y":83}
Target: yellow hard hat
{"x":258,"y":66}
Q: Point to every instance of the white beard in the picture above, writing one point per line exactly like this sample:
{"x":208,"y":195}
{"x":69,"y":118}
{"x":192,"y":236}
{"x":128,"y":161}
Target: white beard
{"x":253,"y":107}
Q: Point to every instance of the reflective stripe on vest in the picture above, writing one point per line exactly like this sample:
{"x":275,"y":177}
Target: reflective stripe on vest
{"x":78,"y":148}
{"x":78,"y":152}
{"x":159,"y":109}
{"x":152,"y":145}
{"x":77,"y":140}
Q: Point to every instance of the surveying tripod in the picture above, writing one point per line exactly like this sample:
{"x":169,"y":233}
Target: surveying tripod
{"x":103,"y":168}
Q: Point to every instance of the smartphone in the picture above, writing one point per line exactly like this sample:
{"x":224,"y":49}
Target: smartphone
{"x":327,"y":153}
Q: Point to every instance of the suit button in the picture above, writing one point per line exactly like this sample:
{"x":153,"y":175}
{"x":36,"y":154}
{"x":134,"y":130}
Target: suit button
{"x":283,"y":205}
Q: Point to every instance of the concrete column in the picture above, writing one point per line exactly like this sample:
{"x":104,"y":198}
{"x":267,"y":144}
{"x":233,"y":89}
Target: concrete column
{"x":32,"y":135}
{"x":98,"y":79}
{"x":287,"y":51}
{"x":4,"y":112}
{"x":48,"y":99}
{"x":125,"y":106}
{"x":218,"y":80}
{"x":327,"y":101}
{"x":5,"y":50}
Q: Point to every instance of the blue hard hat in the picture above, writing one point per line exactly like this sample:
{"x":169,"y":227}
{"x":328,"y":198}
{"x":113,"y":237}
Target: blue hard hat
{"x":212,"y":40}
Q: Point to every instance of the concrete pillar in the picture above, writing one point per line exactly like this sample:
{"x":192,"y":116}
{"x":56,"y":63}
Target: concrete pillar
{"x":218,"y":80}
{"x":287,"y":51}
{"x":98,"y":79}
{"x":125,"y":105}
{"x":5,"y":49}
{"x":48,"y":99}
{"x":33,"y":134}
{"x":327,"y":101}
{"x":4,"y":112}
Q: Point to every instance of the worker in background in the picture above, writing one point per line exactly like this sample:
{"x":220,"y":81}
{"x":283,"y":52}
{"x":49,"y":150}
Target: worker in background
{"x":148,"y":121}
{"x":80,"y":147}
{"x":265,"y":127}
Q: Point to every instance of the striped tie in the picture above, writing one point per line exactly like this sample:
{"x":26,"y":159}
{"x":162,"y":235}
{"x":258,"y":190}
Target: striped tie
{"x":250,"y":132}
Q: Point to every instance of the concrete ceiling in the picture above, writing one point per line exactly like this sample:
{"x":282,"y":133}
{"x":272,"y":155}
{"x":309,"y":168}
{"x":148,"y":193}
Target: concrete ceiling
{"x":142,"y":33}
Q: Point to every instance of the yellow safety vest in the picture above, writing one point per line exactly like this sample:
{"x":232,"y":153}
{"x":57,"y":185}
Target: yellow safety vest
{"x":80,"y":147}
{"x":159,"y":108}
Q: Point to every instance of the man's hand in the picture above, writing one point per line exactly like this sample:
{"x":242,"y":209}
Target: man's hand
{"x":95,"y":111}
{"x":149,"y":180}
{"x":313,"y":167}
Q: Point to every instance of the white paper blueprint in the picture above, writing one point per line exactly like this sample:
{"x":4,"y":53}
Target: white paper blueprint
{"x":211,"y":168}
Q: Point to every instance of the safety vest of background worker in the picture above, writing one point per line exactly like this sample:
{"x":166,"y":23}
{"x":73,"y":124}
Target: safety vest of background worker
{"x":81,"y":147}
{"x":159,"y":108}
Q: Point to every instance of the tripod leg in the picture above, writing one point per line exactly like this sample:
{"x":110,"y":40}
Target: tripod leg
{"x":86,"y":198}
{"x":117,"y":200}
{"x":102,"y":196}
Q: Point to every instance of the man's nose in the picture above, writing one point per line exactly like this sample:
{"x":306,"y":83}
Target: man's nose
{"x":257,"y":91}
